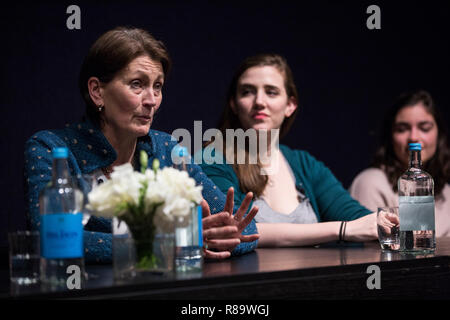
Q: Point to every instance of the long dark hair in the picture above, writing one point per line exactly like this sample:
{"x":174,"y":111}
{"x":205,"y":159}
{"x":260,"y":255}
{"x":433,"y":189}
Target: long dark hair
{"x":249,"y":175}
{"x":112,"y":52}
{"x":438,"y":165}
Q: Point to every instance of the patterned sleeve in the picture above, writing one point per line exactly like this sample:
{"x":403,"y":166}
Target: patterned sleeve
{"x":37,"y":174}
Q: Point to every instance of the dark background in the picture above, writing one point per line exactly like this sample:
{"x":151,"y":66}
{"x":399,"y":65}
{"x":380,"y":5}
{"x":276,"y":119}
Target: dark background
{"x":346,"y":74}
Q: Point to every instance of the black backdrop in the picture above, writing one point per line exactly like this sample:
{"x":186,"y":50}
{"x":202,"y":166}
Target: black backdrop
{"x":346,"y":74}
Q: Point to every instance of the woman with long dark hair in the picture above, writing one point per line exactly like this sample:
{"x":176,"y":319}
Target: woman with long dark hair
{"x":412,"y":118}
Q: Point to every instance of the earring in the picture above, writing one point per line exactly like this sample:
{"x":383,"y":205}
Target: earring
{"x":100,"y":108}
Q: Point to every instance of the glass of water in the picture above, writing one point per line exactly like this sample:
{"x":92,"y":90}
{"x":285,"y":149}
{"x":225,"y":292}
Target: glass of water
{"x":24,"y":257}
{"x":388,"y":228}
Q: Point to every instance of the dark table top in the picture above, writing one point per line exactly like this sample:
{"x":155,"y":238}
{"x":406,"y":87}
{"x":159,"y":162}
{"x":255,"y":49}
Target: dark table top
{"x":325,"y":272}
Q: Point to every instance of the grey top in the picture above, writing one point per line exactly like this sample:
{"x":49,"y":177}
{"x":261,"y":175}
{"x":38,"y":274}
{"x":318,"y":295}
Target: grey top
{"x":303,"y":213}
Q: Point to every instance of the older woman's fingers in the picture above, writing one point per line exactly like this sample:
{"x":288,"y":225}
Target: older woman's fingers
{"x":248,"y":218}
{"x":216,"y":220}
{"x":229,"y":204}
{"x":205,"y":209}
{"x":244,"y":206}
{"x":216,"y":255}
{"x":223,"y":244}
{"x":249,"y":238}
{"x":221,"y":232}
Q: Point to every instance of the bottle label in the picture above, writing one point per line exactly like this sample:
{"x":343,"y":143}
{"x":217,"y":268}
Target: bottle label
{"x":62,"y":235}
{"x":416,"y":213}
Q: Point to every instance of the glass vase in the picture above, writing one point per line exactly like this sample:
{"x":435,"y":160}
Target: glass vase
{"x":138,"y":252}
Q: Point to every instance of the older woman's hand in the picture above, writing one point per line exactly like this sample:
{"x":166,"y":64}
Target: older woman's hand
{"x":223,"y":231}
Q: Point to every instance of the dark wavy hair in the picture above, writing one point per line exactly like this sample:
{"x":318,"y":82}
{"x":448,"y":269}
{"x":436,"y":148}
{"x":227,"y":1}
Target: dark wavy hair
{"x":438,"y":165}
{"x":111,"y":53}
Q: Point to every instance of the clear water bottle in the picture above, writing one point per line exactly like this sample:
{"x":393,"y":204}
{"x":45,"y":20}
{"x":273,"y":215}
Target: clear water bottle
{"x":61,"y":229}
{"x":416,"y":206}
{"x":188,"y":230}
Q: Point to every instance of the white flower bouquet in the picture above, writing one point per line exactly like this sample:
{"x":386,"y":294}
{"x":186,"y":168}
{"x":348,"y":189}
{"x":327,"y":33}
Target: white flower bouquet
{"x":146,"y":201}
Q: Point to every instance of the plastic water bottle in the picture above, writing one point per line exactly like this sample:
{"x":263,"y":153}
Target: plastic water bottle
{"x":61,"y":229}
{"x":416,"y":206}
{"x":188,"y":231}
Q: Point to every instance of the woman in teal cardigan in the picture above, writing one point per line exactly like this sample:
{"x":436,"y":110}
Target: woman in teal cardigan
{"x":300,"y":201}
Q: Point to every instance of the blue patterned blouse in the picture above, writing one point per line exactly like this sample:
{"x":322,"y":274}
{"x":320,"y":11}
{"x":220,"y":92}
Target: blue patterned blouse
{"x":89,"y":151}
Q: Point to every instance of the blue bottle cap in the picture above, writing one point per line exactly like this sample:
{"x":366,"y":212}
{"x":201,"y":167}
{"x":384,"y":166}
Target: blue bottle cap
{"x":415,"y":146}
{"x":60,"y":153}
{"x":180,"y":151}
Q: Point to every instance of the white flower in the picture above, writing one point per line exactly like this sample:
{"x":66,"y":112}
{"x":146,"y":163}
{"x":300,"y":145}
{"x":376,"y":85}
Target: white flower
{"x":180,"y":184}
{"x":177,"y":207}
{"x":178,"y":192}
{"x":164,"y":222}
{"x":170,"y":195}
{"x":103,"y":201}
{"x":127,"y":182}
{"x":155,"y":194}
{"x":123,"y":187}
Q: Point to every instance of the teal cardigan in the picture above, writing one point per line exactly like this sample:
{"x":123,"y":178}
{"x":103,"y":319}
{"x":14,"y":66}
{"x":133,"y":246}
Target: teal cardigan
{"x":329,"y":199}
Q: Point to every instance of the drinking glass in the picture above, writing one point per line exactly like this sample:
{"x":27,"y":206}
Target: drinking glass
{"x":388,"y":228}
{"x":24,"y":257}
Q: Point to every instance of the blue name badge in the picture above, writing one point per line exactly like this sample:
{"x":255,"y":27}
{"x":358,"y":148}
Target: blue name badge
{"x":62,"y":235}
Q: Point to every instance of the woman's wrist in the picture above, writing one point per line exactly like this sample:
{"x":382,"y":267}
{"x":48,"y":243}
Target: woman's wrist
{"x":342,"y":231}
